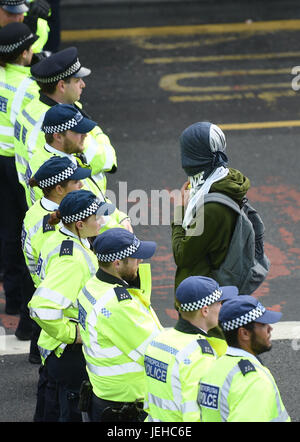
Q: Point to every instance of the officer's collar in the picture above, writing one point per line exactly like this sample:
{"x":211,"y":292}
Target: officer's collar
{"x":51,"y":149}
{"x":234,"y":351}
{"x":48,"y":204}
{"x":185,"y":326}
{"x":68,"y":232}
{"x":50,"y":102}
{"x":110,"y":279}
{"x":47,"y":100}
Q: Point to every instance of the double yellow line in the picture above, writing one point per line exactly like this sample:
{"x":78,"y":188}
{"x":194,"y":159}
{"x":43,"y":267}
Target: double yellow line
{"x":163,"y":31}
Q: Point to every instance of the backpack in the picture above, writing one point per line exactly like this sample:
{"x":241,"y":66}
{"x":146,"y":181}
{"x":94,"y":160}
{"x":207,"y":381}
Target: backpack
{"x":246,"y":265}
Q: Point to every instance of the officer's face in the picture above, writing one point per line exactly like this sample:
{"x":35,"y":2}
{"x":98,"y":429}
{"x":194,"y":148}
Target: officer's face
{"x":73,"y":142}
{"x":128,"y":268}
{"x":72,"y":185}
{"x":213,"y":315}
{"x":89,"y":227}
{"x":7,"y":17}
{"x":73,"y":89}
{"x":261,"y":338}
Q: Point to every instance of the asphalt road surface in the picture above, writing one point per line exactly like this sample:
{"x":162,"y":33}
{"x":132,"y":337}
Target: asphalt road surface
{"x":157,"y":68}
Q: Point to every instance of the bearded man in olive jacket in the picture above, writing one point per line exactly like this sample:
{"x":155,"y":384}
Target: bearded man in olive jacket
{"x":204,"y":160}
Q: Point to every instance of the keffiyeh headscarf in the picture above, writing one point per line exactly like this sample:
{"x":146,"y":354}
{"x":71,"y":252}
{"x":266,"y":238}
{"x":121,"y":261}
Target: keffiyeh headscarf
{"x":204,"y":160}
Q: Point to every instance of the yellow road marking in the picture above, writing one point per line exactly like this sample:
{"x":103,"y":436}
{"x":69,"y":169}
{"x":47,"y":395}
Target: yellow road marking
{"x":230,"y":57}
{"x":260,"y":125}
{"x":159,"y":31}
{"x":266,"y":96}
{"x":236,"y":88}
{"x":170,"y":82}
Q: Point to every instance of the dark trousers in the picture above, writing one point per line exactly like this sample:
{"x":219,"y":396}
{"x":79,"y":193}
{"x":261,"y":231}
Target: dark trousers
{"x":99,"y":411}
{"x":53,"y":42}
{"x":47,"y":404}
{"x":17,"y":286}
{"x":69,"y":371}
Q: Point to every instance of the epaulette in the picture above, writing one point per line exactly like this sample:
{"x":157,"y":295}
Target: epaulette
{"x":46,"y":226}
{"x":122,"y":293}
{"x":66,"y":247}
{"x":205,"y":346}
{"x":246,"y":366}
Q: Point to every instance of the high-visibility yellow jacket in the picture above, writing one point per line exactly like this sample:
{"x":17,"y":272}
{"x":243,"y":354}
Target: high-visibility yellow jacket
{"x":35,"y":232}
{"x":238,"y":388}
{"x":174,"y":361}
{"x":116,"y":324}
{"x":65,"y":264}
{"x":17,"y":89}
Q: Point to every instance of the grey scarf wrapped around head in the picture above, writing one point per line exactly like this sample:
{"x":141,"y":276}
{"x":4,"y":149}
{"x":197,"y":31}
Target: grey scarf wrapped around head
{"x":203,"y":148}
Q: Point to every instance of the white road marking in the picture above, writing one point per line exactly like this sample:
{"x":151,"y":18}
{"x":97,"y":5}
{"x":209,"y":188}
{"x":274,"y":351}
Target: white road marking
{"x":10,"y":345}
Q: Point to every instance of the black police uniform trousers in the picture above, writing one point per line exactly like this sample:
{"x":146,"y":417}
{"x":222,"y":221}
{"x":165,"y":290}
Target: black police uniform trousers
{"x":17,"y":282}
{"x":99,"y":411}
{"x":68,"y":371}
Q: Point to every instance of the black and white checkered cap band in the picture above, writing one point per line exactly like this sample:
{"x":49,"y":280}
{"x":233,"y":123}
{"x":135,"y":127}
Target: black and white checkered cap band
{"x":67,"y":73}
{"x":67,"y":125}
{"x":255,"y":313}
{"x":61,"y":176}
{"x":110,"y":257}
{"x":84,"y":214}
{"x":196,"y":305}
{"x":11,"y":2}
{"x":7,"y":49}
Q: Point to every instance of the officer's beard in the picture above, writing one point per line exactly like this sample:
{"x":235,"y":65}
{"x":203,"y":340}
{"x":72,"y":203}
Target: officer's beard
{"x":259,"y":347}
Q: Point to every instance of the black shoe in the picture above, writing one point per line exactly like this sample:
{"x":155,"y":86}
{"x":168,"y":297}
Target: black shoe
{"x":34,"y":359}
{"x":23,"y":335}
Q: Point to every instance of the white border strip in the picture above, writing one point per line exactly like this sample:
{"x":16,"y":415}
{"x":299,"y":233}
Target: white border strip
{"x":10,"y":345}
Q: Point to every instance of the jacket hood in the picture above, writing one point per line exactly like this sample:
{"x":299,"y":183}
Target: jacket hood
{"x":235,"y":185}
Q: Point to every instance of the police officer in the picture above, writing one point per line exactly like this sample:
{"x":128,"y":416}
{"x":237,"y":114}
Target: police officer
{"x":176,"y":358}
{"x":116,"y":323}
{"x":16,"y":90}
{"x":65,"y":131}
{"x":238,"y":387}
{"x":65,"y":264}
{"x":34,"y":13}
{"x":56,"y":177}
{"x":60,"y":78}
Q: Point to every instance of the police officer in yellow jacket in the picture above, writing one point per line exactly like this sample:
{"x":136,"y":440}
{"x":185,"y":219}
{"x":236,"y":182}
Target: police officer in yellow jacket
{"x":60,"y":78}
{"x":116,"y":324}
{"x":65,"y":264}
{"x":64,"y":135}
{"x":238,"y":387}
{"x":34,"y":13}
{"x":17,"y":88}
{"x":56,"y":177}
{"x":176,"y":358}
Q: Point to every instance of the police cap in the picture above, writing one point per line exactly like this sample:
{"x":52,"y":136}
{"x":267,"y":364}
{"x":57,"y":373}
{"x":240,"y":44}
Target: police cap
{"x":58,"y":66}
{"x":245,"y":309}
{"x":58,"y":169}
{"x":62,"y":117}
{"x":15,"y":38}
{"x":195,"y":292}
{"x":119,"y":243}
{"x":80,"y":204}
{"x":14,"y":6}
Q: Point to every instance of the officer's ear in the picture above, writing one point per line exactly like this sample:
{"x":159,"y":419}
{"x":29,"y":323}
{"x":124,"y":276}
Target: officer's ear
{"x":79,"y":225}
{"x":204,"y":311}
{"x":61,"y":86}
{"x":244,"y":335}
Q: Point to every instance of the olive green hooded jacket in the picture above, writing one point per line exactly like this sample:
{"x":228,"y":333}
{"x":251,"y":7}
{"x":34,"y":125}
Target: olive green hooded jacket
{"x":198,"y":255}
